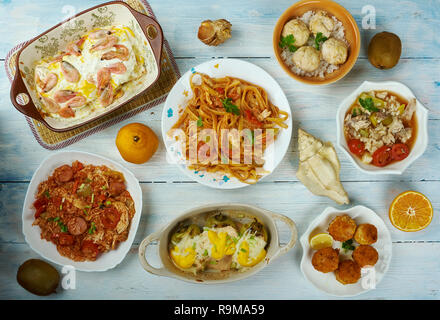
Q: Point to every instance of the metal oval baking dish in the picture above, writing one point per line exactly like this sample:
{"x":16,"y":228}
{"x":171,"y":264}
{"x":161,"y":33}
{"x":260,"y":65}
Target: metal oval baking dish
{"x":23,"y":94}
{"x":163,"y":236}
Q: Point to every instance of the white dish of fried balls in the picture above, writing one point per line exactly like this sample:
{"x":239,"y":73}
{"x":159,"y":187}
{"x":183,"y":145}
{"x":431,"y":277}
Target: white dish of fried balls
{"x":314,"y":44}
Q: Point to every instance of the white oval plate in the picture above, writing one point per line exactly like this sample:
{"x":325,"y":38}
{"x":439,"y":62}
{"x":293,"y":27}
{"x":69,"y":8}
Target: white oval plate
{"x":181,"y":94}
{"x":327,"y":282}
{"x":47,"y":249}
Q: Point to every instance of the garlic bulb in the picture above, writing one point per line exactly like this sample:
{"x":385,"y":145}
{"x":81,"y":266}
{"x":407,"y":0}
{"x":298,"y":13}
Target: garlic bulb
{"x":214,"y":32}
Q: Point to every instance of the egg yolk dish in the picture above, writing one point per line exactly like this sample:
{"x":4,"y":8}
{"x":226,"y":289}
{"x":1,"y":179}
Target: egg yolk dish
{"x":222,"y":244}
{"x":91,"y":73}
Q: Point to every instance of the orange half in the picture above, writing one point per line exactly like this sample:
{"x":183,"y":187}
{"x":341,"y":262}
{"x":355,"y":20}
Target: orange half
{"x":411,"y":211}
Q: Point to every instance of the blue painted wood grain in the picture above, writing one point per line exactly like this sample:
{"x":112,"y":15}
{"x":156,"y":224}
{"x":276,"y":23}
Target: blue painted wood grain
{"x":415,"y":268}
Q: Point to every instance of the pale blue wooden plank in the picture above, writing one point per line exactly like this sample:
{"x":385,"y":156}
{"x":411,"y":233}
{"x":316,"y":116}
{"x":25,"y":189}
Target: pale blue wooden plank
{"x":313,"y":109}
{"x":413,"y":275}
{"x":165,"y":201}
{"x":416,"y":22}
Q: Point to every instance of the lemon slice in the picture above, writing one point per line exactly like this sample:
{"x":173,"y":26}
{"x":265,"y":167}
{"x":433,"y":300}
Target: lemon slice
{"x":320,"y":241}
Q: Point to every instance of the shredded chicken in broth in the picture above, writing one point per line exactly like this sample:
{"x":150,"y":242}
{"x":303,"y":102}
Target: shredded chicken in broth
{"x":380,"y":127}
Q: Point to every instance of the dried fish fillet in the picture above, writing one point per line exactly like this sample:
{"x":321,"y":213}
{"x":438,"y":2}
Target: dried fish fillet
{"x":319,"y":168}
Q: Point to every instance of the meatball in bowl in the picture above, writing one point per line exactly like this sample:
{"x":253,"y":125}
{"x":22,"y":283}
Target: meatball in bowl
{"x":316,"y":42}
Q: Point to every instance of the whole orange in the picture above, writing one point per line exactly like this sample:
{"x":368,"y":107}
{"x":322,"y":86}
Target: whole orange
{"x":136,"y":143}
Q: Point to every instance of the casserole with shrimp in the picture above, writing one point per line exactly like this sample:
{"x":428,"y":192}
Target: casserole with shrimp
{"x":90,"y":73}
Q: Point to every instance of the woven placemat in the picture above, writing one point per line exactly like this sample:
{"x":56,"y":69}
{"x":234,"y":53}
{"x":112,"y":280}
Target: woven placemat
{"x":155,"y":95}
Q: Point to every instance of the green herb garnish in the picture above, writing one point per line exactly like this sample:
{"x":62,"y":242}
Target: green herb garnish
{"x":46,"y":193}
{"x":213,"y":262}
{"x":288,"y":42}
{"x":230,"y":107}
{"x":200,"y":122}
{"x":348,"y":245}
{"x":194,"y":246}
{"x":92,"y":228}
{"x":93,"y":197}
{"x":368,"y":104}
{"x":62,"y":226}
{"x":205,"y":253}
{"x":319,"y":39}
{"x":243,"y":250}
{"x":108,"y":202}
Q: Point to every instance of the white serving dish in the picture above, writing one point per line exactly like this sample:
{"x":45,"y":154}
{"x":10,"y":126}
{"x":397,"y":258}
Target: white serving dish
{"x":327,"y":282}
{"x":47,"y":249}
{"x":420,"y":144}
{"x":181,"y":93}
{"x":56,"y":39}
{"x":168,"y":269}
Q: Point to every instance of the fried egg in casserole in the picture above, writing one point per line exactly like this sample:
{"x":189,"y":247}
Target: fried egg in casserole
{"x":235,"y":247}
{"x":91,"y":73}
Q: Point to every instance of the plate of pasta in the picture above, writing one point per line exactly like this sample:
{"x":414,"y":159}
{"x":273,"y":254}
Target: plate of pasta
{"x":226,"y":123}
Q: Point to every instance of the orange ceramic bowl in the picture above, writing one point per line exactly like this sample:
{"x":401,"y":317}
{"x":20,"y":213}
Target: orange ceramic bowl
{"x":352,"y":35}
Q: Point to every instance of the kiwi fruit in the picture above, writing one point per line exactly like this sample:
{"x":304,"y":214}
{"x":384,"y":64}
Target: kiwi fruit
{"x":38,"y":277}
{"x":384,"y":50}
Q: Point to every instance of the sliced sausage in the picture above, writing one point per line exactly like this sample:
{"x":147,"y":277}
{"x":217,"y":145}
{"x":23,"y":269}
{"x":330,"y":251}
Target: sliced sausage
{"x":116,"y":188}
{"x":77,"y":226}
{"x":63,"y":174}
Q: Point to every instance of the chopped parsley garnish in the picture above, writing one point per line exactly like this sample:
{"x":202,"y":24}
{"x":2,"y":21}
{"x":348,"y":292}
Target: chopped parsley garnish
{"x":92,"y":228}
{"x":348,"y":245}
{"x":230,"y":107}
{"x":205,"y":253}
{"x":200,"y":122}
{"x":85,"y":211}
{"x":319,"y":39}
{"x":288,"y":42}
{"x":108,"y":202}
{"x":62,"y":226}
{"x":368,"y":104}
{"x":46,"y":193}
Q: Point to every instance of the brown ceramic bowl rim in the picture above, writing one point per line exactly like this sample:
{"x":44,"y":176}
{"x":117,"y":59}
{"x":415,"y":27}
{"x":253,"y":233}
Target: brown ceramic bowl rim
{"x":157,"y":52}
{"x":321,"y":4}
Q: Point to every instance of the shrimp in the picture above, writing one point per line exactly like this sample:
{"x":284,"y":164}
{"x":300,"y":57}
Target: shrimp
{"x":74,"y":48}
{"x":121,"y":53}
{"x":66,"y":112}
{"x":103,"y":79}
{"x":62,"y":96}
{"x":117,"y":68}
{"x":105,"y":43}
{"x":106,"y":97}
{"x":70,"y":72}
{"x":49,"y":83}
{"x":76,"y":102}
{"x":98,"y":34}
{"x":51,"y":105}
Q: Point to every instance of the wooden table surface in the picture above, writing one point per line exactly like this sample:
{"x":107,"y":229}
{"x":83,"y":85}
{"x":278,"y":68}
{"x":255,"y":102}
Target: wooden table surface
{"x":415,"y":266}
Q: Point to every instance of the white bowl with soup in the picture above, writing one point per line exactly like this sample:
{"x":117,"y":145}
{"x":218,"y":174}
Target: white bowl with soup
{"x":382,"y":127}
